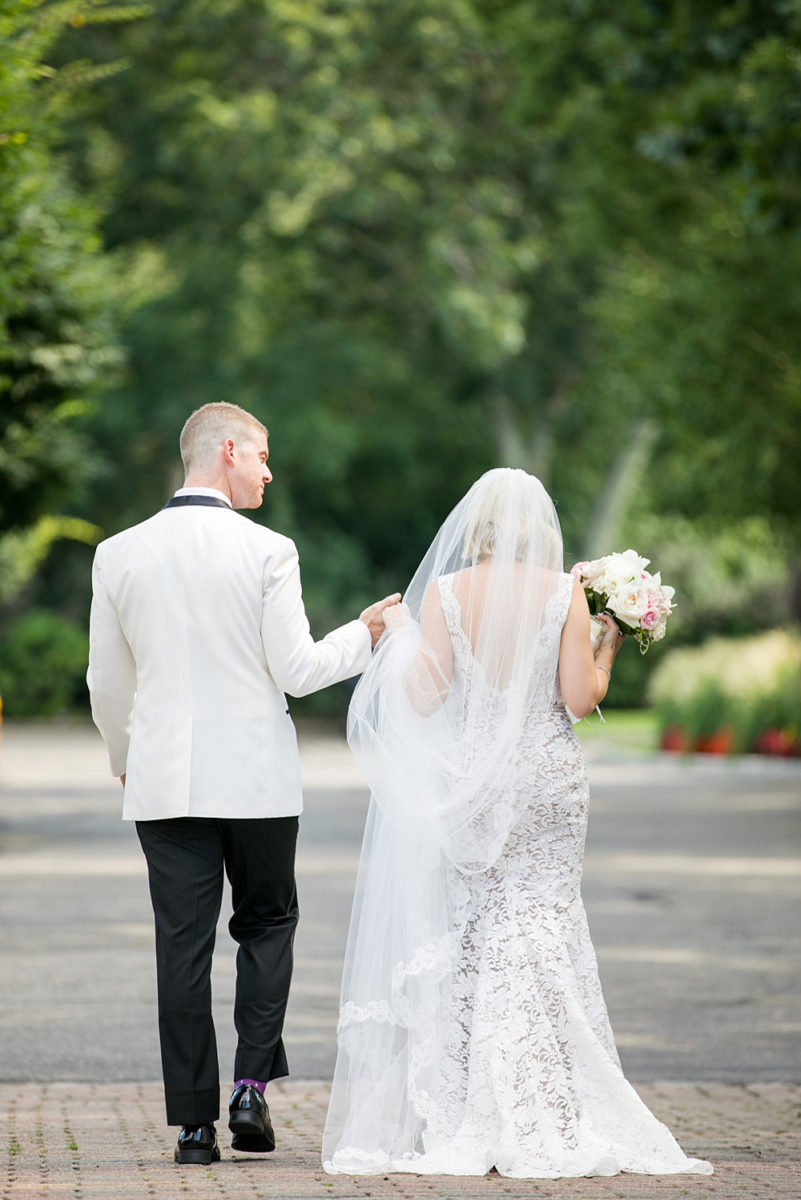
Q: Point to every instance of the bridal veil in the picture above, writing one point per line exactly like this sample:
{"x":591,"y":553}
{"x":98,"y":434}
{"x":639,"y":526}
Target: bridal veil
{"x":438,"y":747}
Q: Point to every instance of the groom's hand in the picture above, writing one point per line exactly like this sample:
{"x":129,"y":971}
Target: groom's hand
{"x":373,"y":617}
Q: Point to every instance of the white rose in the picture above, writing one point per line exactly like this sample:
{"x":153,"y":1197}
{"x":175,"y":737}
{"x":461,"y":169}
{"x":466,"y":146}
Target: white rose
{"x":592,"y":572}
{"x":630,"y":604}
{"x":622,"y":570}
{"x":614,"y":582}
{"x":635,"y":560}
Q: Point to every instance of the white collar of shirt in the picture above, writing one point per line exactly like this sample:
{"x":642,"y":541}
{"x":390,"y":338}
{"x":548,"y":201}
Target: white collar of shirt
{"x":201,"y":491}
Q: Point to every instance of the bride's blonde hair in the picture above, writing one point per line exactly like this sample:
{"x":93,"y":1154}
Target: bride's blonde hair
{"x":512,"y":505}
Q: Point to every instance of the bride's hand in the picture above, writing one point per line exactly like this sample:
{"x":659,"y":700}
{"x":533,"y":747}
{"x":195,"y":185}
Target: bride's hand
{"x":373,"y":616}
{"x":396,"y":616}
{"x":613,"y":638}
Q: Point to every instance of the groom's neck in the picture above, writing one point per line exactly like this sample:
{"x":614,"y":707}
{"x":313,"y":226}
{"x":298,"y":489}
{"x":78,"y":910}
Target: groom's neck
{"x":208,"y":479}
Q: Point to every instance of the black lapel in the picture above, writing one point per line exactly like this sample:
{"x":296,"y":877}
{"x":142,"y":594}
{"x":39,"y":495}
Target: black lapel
{"x":184,"y":501}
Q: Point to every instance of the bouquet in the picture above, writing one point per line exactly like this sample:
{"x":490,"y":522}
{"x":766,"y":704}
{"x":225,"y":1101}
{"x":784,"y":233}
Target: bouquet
{"x":619,"y":584}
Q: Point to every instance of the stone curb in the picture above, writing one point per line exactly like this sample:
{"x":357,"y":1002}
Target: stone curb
{"x":109,"y":1142}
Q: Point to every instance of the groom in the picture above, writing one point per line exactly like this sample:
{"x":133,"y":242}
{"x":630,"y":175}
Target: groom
{"x":197,"y":631}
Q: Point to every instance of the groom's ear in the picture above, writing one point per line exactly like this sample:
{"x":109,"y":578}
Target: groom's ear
{"x":229,"y":451}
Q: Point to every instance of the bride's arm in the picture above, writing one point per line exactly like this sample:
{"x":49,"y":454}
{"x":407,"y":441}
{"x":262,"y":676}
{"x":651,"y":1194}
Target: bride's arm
{"x":428,"y":677}
{"x":584,"y":679}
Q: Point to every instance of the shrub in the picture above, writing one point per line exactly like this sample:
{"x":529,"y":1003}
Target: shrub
{"x":42,"y":664}
{"x":732,"y":695}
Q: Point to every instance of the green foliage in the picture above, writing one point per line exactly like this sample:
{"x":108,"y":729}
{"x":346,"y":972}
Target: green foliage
{"x":418,"y":240}
{"x":673,"y":151}
{"x":318,"y":220}
{"x":738,"y":690}
{"x":42,"y":664}
{"x":623,"y":730}
{"x":729,"y":581}
{"x":57,"y":342}
{"x":23,"y":552}
{"x":629,"y":687}
{"x":55,"y":337}
{"x":462,"y":233}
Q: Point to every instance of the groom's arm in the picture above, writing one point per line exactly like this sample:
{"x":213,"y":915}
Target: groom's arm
{"x":297,"y":663}
{"x":112,"y":672}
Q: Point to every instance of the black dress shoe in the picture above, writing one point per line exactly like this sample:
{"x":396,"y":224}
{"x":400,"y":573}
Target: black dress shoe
{"x":197,"y":1144}
{"x":249,"y":1121}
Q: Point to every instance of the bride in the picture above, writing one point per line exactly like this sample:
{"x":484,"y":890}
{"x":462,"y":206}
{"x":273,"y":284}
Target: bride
{"x":473,"y":1033}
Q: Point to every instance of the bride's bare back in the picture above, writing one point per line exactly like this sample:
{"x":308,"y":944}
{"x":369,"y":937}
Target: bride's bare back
{"x":582,"y":684}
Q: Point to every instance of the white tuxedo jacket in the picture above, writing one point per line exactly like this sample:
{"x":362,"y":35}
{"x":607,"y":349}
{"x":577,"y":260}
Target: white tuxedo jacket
{"x":197,"y":630}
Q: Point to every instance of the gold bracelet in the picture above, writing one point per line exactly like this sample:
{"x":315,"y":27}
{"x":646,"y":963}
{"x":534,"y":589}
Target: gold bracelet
{"x":598,"y":667}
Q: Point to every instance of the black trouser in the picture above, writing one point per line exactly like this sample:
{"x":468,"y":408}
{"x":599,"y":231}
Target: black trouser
{"x":185,"y":860}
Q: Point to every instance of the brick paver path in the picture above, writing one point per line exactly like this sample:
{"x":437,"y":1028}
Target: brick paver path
{"x":75,"y":1141}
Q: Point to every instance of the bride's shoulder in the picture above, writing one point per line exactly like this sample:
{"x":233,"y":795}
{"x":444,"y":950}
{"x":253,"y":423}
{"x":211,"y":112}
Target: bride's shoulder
{"x":570,"y":599}
{"x":447,"y":582}
{"x":457,"y":583}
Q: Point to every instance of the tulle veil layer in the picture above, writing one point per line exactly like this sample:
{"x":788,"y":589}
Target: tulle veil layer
{"x":434,"y":745}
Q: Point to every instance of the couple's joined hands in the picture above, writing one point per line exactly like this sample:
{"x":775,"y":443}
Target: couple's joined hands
{"x":373,"y":616}
{"x":396,"y":616}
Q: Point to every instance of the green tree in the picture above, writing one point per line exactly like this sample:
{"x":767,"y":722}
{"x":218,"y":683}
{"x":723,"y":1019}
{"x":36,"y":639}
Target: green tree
{"x":667,"y":137}
{"x":423,"y":238}
{"x":57,"y":341}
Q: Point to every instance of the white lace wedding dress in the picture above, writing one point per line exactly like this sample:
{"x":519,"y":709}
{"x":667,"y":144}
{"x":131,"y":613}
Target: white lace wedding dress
{"x":492,"y":1047}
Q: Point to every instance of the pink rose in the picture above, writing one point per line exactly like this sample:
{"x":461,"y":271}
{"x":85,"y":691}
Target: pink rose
{"x":656,"y":602}
{"x":578,"y":570}
{"x":650,"y":619}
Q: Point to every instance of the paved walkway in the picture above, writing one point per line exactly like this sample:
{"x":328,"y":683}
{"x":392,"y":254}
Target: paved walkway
{"x":75,"y":1141}
{"x":692,"y":885}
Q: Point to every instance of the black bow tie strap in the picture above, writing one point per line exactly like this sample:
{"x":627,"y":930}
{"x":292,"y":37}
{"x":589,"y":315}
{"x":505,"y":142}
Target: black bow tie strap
{"x":209,"y":501}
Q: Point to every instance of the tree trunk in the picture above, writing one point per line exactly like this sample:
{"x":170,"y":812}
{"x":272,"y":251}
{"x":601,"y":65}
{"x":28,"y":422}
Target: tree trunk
{"x":622,"y":482}
{"x":535,"y":452}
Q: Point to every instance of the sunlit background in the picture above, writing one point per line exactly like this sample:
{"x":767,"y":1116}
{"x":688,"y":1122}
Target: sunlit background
{"x":418,"y":239}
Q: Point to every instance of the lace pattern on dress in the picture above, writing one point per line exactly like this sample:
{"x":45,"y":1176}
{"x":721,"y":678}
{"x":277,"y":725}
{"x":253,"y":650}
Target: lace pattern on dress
{"x":509,"y":1059}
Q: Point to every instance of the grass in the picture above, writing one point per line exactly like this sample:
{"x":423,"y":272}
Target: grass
{"x":623,"y":728}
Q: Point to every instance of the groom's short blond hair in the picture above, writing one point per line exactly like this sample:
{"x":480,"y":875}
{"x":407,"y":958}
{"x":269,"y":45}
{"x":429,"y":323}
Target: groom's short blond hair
{"x":209,"y":426}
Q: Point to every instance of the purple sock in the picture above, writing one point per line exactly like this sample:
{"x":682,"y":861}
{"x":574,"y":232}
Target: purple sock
{"x":256,"y":1083}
